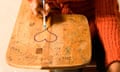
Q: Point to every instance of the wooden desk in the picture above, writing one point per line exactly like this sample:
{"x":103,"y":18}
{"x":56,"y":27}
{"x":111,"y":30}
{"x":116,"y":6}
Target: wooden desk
{"x":65,"y":43}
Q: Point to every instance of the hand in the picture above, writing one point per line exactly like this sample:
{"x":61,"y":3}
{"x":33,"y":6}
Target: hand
{"x":37,"y":7}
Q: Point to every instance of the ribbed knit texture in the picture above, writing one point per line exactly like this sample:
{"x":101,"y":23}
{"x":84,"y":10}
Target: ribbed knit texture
{"x":108,"y":25}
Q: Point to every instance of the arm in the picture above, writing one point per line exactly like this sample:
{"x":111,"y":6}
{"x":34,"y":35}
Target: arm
{"x":108,"y":25}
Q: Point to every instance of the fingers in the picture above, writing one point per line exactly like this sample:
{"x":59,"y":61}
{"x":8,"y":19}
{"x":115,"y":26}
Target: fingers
{"x":46,"y":10}
{"x":37,"y":7}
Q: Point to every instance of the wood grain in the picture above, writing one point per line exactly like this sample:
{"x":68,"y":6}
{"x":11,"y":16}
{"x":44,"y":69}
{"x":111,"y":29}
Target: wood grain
{"x":65,"y":43}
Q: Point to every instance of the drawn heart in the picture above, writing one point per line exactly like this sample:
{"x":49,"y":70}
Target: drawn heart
{"x":45,"y":35}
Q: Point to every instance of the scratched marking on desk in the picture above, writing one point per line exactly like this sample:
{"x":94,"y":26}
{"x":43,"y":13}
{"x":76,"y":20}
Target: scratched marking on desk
{"x":24,"y":57}
{"x":31,"y":24}
{"x":67,"y":50}
{"x":15,"y":49}
{"x":9,"y":58}
{"x":45,"y":39}
{"x":39,"y":51}
{"x":57,"y":51}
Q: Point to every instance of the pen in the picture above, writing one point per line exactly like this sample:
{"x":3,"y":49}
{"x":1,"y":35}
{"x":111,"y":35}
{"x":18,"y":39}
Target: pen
{"x":44,"y":17}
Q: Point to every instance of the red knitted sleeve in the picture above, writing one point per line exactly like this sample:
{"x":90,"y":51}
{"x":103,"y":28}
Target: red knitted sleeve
{"x":108,"y":25}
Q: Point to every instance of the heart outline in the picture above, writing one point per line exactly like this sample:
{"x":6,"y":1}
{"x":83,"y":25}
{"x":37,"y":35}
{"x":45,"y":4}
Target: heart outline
{"x":35,"y":39}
